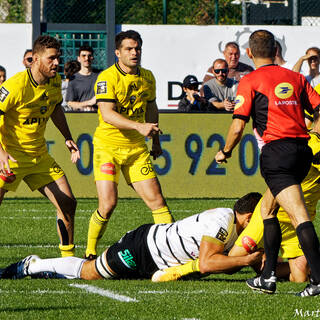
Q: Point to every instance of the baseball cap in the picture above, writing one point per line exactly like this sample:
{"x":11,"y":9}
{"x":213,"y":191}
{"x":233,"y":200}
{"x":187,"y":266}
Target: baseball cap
{"x":190,"y":80}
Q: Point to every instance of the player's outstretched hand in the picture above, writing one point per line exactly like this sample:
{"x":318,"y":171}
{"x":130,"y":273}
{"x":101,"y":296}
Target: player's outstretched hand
{"x":148,"y":129}
{"x":255,"y":257}
{"x":4,"y":162}
{"x":220,"y":157}
{"x":73,"y":148}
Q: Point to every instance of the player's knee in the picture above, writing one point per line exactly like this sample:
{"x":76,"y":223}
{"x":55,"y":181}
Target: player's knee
{"x":106,"y":208}
{"x":71,"y":206}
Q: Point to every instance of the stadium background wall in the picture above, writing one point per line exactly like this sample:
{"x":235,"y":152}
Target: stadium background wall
{"x":186,"y":168}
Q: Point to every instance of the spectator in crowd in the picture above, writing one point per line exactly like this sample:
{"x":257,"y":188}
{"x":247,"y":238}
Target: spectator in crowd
{"x":279,"y":60}
{"x":312,"y":56}
{"x":27,"y":58}
{"x":80,"y":91}
{"x":220,"y":91}
{"x":3,"y":75}
{"x":237,"y":69}
{"x":192,"y":102}
{"x":70,"y":68}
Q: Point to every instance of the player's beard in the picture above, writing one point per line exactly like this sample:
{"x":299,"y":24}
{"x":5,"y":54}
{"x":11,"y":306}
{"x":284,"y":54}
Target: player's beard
{"x":47,"y":71}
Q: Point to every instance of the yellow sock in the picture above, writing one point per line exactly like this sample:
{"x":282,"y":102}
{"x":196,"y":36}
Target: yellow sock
{"x":97,"y":227}
{"x":162,"y":215}
{"x":67,"y":250}
{"x":189,"y":267}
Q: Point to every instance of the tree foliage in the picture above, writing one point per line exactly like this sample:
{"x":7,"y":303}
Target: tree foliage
{"x":13,"y":11}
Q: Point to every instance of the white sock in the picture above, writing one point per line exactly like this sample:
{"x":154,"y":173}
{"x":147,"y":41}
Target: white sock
{"x":69,"y":267}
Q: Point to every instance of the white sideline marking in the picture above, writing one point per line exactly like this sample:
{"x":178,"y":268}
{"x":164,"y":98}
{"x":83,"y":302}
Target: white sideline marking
{"x":104,"y":293}
{"x":37,"y":246}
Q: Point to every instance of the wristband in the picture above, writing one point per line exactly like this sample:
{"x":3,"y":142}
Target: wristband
{"x":226,"y":154}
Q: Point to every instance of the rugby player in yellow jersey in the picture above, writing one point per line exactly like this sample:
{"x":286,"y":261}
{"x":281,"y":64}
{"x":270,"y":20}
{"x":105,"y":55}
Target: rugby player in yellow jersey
{"x":27,"y":101}
{"x":298,"y":270}
{"x":125,"y":94}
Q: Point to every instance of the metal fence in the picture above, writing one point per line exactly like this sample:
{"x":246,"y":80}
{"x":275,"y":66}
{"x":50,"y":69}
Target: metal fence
{"x":201,"y":12}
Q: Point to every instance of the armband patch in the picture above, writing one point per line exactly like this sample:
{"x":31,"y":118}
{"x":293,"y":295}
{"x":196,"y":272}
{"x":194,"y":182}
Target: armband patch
{"x":3,"y":94}
{"x":222,"y":234}
{"x":102,"y":87}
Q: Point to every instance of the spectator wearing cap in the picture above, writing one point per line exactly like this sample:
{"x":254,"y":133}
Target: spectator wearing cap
{"x":221,"y":90}
{"x":192,"y":102}
{"x":237,"y":69}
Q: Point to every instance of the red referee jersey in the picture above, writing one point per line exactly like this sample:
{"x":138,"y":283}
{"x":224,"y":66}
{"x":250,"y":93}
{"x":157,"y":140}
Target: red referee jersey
{"x":275,"y":98}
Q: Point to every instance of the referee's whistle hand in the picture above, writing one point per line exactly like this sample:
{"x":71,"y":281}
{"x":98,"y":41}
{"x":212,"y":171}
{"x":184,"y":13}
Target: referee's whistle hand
{"x":220,"y":157}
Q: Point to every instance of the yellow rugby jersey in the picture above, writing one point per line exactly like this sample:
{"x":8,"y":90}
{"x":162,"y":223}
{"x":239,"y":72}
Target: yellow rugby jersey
{"x":311,"y":184}
{"x":27,"y":107}
{"x":130,"y":93}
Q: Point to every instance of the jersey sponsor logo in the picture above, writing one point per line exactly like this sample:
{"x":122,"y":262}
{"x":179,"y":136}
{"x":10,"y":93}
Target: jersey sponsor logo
{"x":3,"y":94}
{"x":127,"y":259}
{"x":146,"y":169}
{"x":133,"y":86}
{"x":131,"y":112}
{"x":132,"y":99}
{"x":239,"y":101}
{"x":43,"y":109}
{"x":44,"y":96}
{"x":30,"y":121}
{"x":222,"y":234}
{"x":56,"y":168}
{"x":108,"y":168}
{"x":101,"y":87}
{"x":284,"y":90}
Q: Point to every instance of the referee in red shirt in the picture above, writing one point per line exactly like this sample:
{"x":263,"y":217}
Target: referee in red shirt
{"x":275,"y":98}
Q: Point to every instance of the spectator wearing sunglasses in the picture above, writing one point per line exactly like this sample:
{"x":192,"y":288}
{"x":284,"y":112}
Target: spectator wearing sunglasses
{"x":192,"y":102}
{"x":237,"y":69}
{"x":221,"y":90}
{"x":27,"y":58}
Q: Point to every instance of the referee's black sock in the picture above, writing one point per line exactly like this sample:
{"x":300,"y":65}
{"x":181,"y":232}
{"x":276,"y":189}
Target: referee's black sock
{"x":272,"y":241}
{"x":310,"y":246}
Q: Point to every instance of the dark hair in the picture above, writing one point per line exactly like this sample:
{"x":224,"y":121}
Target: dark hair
{"x":232,"y":44}
{"x":262,"y":44}
{"x":247,"y":203}
{"x":316,"y":49}
{"x":220,"y":61}
{"x":279,"y":48}
{"x":45,"y":42}
{"x":85,"y":47}
{"x":27,"y":51}
{"x":2,"y":69}
{"x":130,"y":34}
{"x":316,"y":115}
{"x":71,"y":67}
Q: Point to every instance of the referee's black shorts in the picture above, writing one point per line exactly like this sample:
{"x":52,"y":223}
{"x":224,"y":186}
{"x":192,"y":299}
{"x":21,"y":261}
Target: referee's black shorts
{"x":285,"y":162}
{"x":130,"y":257}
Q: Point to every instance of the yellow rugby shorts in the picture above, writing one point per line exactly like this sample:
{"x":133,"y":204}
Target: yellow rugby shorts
{"x":290,"y":247}
{"x":35,"y":172}
{"x":134,"y":162}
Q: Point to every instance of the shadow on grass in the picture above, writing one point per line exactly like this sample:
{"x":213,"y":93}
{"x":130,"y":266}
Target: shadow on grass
{"x":78,"y":307}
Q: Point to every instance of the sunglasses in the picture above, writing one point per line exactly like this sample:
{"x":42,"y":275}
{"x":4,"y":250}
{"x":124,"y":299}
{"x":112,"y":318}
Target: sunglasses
{"x":217,"y":71}
{"x":193,"y":87}
{"x":29,"y":59}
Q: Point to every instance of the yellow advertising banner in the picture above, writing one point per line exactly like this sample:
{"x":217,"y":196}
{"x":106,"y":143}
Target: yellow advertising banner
{"x":186,"y":168}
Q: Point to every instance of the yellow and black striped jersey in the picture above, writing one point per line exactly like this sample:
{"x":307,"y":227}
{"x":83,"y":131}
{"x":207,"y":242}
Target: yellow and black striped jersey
{"x":131,"y":94}
{"x":311,"y":184}
{"x":27,"y":107}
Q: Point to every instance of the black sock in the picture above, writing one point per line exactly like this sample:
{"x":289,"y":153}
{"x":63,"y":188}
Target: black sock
{"x":310,"y":246}
{"x":272,"y":241}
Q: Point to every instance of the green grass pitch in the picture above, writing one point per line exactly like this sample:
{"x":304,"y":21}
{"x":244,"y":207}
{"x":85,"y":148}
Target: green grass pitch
{"x":28,"y":227}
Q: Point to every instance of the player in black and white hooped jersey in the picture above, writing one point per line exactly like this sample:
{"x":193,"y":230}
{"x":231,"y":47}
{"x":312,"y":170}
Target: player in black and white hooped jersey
{"x":162,"y":252}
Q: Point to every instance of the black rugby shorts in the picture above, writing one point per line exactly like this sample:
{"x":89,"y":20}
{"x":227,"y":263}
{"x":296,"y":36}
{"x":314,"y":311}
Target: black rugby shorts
{"x":285,"y":162}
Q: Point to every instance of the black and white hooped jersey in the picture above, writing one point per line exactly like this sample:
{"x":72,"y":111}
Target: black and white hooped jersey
{"x":179,"y":242}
